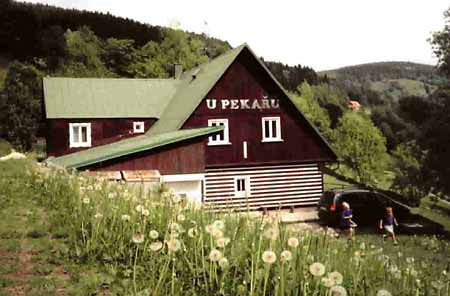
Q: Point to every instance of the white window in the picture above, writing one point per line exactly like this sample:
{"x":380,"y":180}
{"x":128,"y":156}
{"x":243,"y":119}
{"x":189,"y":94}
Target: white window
{"x":79,"y":135}
{"x":221,"y":138}
{"x":242,"y":186}
{"x":271,"y":129}
{"x":138,"y":127}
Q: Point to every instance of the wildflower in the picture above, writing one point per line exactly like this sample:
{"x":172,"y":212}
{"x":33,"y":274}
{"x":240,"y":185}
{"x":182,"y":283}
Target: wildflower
{"x":215,"y":255}
{"x":86,"y":200}
{"x":90,"y":188}
{"x":176,"y":198}
{"x":285,"y":256}
{"x":156,"y":246}
{"x":145,"y":212}
{"x":217,"y":233}
{"x":218,"y":224}
{"x":192,"y":232}
{"x":271,"y":233}
{"x":181,"y":217}
{"x":400,"y":254}
{"x":209,"y":228}
{"x":98,"y":216}
{"x":317,"y":269}
{"x":338,"y":291}
{"x":174,"y":227}
{"x":223,"y":263}
{"x":139,"y":208}
{"x":222,"y":242}
{"x":327,"y":282}
{"x":173,"y":244}
{"x":125,"y":217}
{"x":111,"y":195}
{"x":293,"y":242}
{"x":269,"y":257}
{"x":138,"y":238}
{"x":336,"y":277}
{"x":383,"y":292}
{"x":154,"y":234}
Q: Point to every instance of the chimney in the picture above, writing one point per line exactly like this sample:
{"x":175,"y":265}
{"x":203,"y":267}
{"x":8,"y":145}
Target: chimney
{"x":177,"y":71}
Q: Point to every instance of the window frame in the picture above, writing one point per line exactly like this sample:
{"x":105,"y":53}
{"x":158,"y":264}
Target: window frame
{"x":80,"y":143}
{"x":226,"y":133}
{"x":244,"y":193}
{"x":137,"y":130}
{"x":277,"y":121}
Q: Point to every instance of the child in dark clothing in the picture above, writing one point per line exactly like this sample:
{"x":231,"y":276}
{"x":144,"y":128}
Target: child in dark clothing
{"x":346,"y":223}
{"x":388,"y":224}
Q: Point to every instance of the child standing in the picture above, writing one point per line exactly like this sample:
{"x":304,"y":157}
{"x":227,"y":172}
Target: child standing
{"x":388,"y":224}
{"x":346,"y":223}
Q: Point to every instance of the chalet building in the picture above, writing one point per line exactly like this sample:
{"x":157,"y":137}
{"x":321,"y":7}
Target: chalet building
{"x":225,"y":133}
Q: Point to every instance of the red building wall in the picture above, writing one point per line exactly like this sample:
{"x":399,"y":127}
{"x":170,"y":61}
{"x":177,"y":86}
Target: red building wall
{"x":182,"y":158}
{"x":246,"y":79}
{"x":103,"y":131}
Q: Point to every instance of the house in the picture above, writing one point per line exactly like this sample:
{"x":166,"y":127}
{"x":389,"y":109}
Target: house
{"x":225,"y":133}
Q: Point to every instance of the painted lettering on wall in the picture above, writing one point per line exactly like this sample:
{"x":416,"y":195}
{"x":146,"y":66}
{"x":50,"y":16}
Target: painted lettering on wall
{"x":241,"y":104}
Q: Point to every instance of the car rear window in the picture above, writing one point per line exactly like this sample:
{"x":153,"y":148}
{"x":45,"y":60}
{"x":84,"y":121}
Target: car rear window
{"x":327,"y":198}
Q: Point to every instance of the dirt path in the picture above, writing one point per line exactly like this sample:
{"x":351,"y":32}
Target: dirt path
{"x":26,"y":263}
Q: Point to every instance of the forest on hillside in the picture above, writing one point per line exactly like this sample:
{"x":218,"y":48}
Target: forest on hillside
{"x":399,"y":128}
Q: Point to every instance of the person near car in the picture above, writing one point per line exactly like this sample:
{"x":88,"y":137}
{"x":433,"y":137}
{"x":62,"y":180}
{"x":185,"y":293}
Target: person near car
{"x":388,"y":223}
{"x":346,"y":220}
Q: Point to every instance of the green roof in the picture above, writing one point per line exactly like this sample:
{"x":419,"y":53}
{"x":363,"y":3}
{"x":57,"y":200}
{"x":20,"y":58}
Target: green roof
{"x":192,"y":90}
{"x":107,"y":97}
{"x":128,"y":146}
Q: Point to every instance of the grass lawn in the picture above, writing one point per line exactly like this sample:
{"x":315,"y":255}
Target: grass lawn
{"x":437,"y":211}
{"x":70,"y":235}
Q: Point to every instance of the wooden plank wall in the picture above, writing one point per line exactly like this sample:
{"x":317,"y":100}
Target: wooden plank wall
{"x":270,"y":186}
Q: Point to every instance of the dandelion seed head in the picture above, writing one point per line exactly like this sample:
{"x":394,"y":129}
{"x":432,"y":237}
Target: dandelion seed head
{"x":154,"y":234}
{"x":173,"y":245}
{"x":269,"y":257}
{"x":222,"y":242}
{"x":327,"y":282}
{"x":338,"y":291}
{"x":156,"y":246}
{"x":336,"y":277}
{"x":139,"y":208}
{"x":383,"y":292}
{"x":272,"y":233}
{"x":86,"y":200}
{"x":293,"y":242}
{"x":145,"y":212}
{"x":223,"y":263}
{"x":138,"y":238}
{"x":218,"y":224}
{"x":181,"y":217}
{"x":317,"y":269}
{"x":215,"y":255}
{"x":98,"y":216}
{"x":285,"y":256}
{"x":217,"y":233}
{"x":125,"y":217}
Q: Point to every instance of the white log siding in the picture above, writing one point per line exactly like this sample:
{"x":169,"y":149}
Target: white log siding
{"x":270,"y":186}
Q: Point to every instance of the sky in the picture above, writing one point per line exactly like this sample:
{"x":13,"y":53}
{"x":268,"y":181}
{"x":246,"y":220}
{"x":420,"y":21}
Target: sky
{"x":322,"y":34}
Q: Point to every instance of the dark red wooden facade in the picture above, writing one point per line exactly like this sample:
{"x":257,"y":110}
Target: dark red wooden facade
{"x":103,"y":131}
{"x":246,"y":79}
{"x":182,"y":158}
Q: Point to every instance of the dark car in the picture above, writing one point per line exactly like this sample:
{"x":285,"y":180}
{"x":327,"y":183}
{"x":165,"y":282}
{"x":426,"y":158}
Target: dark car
{"x":368,"y":208}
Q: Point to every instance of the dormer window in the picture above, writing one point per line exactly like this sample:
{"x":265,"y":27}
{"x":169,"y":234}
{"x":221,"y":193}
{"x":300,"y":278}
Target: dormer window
{"x":138,"y":127}
{"x":79,"y":135}
{"x":271,"y":129}
{"x":221,"y":138}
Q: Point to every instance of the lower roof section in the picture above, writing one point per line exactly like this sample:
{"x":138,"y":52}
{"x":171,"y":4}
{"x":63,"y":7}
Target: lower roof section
{"x":128,"y":146}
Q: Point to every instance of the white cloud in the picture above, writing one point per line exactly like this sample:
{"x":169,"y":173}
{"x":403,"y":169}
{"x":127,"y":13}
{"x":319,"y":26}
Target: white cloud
{"x":323,"y":34}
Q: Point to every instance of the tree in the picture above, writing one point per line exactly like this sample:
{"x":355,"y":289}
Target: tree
{"x":119,"y":55}
{"x":309,"y":106}
{"x":440,"y":43}
{"x":407,"y":169}
{"x":361,"y":146}
{"x":84,"y":51}
{"x":23,"y":105}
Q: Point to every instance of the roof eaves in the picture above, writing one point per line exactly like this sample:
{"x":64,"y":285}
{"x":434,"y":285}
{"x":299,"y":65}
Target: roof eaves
{"x":201,"y":132}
